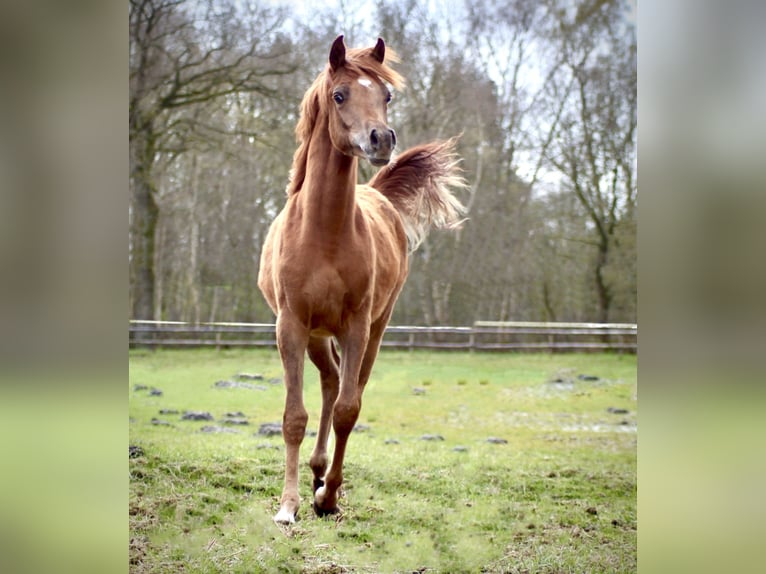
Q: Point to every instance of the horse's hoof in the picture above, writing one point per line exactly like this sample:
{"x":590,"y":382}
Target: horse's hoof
{"x":284,"y":517}
{"x":322,"y":512}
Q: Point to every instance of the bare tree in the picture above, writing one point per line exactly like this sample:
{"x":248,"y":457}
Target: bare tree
{"x":185,"y":56}
{"x":595,"y":144}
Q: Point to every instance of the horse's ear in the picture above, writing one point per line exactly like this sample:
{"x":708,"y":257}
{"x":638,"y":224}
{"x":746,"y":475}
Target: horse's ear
{"x":379,"y":51}
{"x":337,"y":53}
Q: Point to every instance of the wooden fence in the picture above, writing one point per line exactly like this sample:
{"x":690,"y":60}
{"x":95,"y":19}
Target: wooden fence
{"x":481,"y":336}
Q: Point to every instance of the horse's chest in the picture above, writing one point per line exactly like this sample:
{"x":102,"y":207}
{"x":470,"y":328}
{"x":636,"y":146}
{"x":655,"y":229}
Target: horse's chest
{"x":327,"y":289}
{"x":327,"y":285}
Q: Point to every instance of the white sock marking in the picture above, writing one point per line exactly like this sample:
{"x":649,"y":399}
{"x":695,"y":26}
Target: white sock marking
{"x":284,"y":517}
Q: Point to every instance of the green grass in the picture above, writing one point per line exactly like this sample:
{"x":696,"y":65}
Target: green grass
{"x":559,"y":496}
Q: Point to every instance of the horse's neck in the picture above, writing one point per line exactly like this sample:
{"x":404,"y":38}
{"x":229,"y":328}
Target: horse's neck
{"x":328,"y":192}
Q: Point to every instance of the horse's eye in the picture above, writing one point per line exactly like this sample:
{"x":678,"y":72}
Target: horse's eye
{"x":338,"y":97}
{"x":388,"y":97}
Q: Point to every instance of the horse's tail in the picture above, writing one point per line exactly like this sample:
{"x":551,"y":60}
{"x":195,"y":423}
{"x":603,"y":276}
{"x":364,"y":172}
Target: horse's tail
{"x":417,"y":182}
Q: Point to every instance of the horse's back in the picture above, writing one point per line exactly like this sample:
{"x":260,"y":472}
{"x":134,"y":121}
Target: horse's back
{"x":390,"y":245}
{"x":385,"y":221}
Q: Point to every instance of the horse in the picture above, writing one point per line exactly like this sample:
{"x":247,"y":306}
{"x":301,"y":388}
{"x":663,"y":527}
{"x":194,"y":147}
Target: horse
{"x":336,"y":257}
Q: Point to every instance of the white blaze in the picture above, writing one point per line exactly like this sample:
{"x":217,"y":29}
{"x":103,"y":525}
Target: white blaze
{"x":366,"y":82}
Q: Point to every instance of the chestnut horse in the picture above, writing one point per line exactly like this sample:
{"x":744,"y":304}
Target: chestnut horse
{"x":335,"y":258}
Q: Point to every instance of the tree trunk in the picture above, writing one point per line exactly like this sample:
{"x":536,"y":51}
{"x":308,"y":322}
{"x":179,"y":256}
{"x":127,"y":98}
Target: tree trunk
{"x":144,"y":224}
{"x":550,"y":312}
{"x":602,"y":289}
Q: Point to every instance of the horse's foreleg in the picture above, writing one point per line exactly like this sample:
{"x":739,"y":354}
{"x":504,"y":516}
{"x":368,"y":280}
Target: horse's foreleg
{"x":292,"y":339}
{"x":325,"y":502}
{"x":344,"y":415}
{"x":322,"y":353}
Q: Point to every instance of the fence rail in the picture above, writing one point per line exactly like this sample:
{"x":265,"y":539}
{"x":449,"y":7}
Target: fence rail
{"x":481,"y":336}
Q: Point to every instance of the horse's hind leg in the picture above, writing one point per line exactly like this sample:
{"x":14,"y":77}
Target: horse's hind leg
{"x":323,"y":354}
{"x":292,"y":339}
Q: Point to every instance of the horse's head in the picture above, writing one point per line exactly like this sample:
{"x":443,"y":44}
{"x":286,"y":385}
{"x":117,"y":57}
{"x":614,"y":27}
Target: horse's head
{"x":359,"y":101}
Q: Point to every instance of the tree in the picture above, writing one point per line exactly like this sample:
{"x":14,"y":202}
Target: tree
{"x":185,"y":57}
{"x":595,"y":144}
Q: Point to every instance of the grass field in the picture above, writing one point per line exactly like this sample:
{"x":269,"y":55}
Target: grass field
{"x":558,"y":496}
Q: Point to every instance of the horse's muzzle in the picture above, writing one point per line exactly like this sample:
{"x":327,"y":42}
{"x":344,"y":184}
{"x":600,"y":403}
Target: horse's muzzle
{"x":380,"y":146}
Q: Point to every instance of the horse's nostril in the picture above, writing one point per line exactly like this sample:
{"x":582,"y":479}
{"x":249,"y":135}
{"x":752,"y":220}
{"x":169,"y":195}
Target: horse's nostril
{"x":385,"y":138}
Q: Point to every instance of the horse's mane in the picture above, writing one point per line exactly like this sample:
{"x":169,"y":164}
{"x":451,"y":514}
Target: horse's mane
{"x":359,"y":61}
